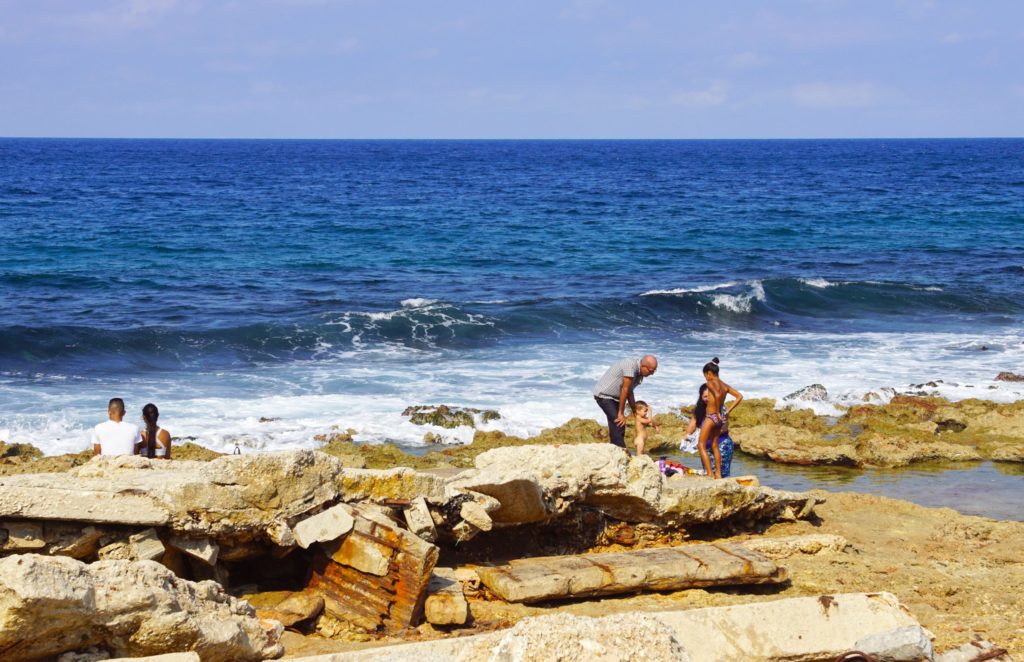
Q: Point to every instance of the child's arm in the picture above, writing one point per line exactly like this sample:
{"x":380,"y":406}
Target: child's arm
{"x":734,"y":393}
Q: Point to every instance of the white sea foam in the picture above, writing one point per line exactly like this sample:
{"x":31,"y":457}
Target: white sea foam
{"x":532,"y":386}
{"x":820,"y":283}
{"x":740,"y":303}
{"x":417,"y":302}
{"x":691,"y":290}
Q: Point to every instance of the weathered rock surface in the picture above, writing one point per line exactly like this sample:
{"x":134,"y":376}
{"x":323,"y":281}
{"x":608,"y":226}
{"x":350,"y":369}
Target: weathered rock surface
{"x":804,"y":629}
{"x":975,"y":651}
{"x":49,"y":605}
{"x":812,"y":393}
{"x":287,"y":607}
{"x":537,"y":483}
{"x":232,"y":495}
{"x":780,"y":548}
{"x":449,"y":417}
{"x":905,"y":430}
{"x":661,"y":569}
{"x":446,"y":603}
{"x":1009,"y":377}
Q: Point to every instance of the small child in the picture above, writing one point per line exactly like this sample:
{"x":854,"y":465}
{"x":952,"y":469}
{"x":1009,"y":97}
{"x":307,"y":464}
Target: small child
{"x":643,"y":418}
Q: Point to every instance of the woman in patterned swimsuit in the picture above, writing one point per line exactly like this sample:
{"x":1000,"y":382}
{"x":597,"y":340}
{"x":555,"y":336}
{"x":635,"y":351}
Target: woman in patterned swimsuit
{"x":725,"y":443}
{"x":717,"y":420}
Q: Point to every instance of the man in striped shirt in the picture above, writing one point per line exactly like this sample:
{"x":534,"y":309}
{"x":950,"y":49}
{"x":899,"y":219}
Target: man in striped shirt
{"x":615,"y":388}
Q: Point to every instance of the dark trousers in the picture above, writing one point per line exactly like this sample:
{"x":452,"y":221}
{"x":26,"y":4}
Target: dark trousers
{"x":611,"y":410}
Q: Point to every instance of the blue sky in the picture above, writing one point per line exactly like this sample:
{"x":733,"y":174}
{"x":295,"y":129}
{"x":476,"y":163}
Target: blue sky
{"x":513,"y":69}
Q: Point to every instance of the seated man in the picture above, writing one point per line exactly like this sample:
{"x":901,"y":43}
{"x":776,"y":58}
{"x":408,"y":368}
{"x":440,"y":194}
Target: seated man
{"x":115,"y":437}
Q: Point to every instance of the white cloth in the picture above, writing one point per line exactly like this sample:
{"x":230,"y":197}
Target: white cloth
{"x":116,"y":438}
{"x":689,"y":444}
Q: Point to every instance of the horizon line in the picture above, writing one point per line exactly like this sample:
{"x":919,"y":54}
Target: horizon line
{"x":497,"y":139}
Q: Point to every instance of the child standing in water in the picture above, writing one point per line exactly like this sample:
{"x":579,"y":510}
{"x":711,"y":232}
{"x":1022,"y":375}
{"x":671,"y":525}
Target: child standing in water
{"x":716,"y":422}
{"x":642,"y":416}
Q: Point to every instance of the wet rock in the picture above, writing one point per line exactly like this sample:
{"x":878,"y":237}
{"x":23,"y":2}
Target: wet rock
{"x":1009,"y":377}
{"x":51,"y":605}
{"x":949,"y":425}
{"x":812,"y":393}
{"x":448,"y":417}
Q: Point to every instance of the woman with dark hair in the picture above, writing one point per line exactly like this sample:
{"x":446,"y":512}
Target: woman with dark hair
{"x":725,"y":443}
{"x":156,"y":441}
{"x":716,"y":419}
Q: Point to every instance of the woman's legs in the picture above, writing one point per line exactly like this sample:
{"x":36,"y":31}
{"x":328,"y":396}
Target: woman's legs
{"x":707,"y":430}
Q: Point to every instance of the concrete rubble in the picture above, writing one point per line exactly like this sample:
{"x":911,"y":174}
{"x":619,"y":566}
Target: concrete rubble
{"x":317,"y":546}
{"x":51,"y":605}
{"x":660,"y":569}
{"x":811,"y":629}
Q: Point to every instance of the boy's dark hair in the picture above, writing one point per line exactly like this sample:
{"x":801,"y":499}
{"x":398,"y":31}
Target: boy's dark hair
{"x":116,"y":403}
{"x":712,"y":366}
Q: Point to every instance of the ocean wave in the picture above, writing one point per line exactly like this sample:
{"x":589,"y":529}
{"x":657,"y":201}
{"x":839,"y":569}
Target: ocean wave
{"x":743,"y":302}
{"x":691,"y":290}
{"x":817,"y":282}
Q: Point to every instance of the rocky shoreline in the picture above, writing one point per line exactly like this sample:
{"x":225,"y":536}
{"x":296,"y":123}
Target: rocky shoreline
{"x":458,"y":552}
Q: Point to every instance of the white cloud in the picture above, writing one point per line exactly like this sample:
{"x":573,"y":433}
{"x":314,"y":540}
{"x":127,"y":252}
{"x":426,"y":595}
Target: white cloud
{"x":953,"y":38}
{"x":714,"y":95}
{"x":836,"y":95}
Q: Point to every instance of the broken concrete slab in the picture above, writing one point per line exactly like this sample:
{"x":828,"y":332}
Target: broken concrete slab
{"x":812,"y":628}
{"x":660,"y":569}
{"x":475,"y":514}
{"x":328,"y":525}
{"x":390,"y":601}
{"x":143,"y":546}
{"x":446,"y":603}
{"x":53,"y":604}
{"x":229,"y":496}
{"x":287,"y":607}
{"x":203,"y":549}
{"x":821,"y":628}
{"x":418,"y":519}
{"x":398,"y":483}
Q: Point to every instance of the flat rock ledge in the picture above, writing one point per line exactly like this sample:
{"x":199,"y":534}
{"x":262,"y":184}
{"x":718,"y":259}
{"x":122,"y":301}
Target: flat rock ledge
{"x":50,"y":605}
{"x":811,"y":629}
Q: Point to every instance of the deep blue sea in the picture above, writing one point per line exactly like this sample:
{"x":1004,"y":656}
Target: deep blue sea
{"x":320,"y":284}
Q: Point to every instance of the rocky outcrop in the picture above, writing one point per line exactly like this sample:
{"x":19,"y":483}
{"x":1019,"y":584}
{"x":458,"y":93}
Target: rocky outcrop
{"x":1009,"y":377}
{"x":812,"y":393}
{"x":51,"y":605}
{"x":449,"y":417}
{"x":538,"y":483}
{"x":904,"y":431}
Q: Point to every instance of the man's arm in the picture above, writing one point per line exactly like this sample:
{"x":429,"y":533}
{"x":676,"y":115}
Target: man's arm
{"x":96,"y":447}
{"x":625,"y":393}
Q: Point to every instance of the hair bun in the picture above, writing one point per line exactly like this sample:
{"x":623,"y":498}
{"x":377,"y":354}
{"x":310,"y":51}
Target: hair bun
{"x":715,"y":360}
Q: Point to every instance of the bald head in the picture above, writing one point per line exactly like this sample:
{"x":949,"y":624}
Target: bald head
{"x":648,"y":365}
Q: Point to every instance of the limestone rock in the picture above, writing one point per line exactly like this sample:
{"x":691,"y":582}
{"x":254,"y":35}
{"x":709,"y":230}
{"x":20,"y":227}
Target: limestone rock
{"x":812,"y":393}
{"x":287,"y":607}
{"x":910,"y":642}
{"x":331,"y":524}
{"x":786,"y":546}
{"x":143,"y":546}
{"x":203,"y":549}
{"x":446,"y":604}
{"x":419,"y":520}
{"x":399,"y":483}
{"x":18,"y":536}
{"x":50,"y":605}
{"x":540,"y":579}
{"x":475,"y":514}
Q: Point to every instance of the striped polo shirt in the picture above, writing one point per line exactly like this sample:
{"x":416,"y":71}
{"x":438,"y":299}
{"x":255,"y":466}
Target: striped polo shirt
{"x":610,"y":384}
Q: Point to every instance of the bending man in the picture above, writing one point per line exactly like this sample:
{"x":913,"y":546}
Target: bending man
{"x":615,"y":389}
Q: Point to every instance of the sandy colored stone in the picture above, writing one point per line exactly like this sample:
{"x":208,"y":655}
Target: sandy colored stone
{"x":362,"y":553}
{"x":18,"y":536}
{"x":475,"y":514}
{"x":287,"y":607}
{"x":203,"y":549}
{"x":780,"y":548}
{"x":445,"y":603}
{"x":399,"y":483}
{"x":49,"y":605}
{"x":419,"y":520}
{"x":325,"y":526}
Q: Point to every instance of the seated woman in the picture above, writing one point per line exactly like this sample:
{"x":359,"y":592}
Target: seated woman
{"x":156,"y":441}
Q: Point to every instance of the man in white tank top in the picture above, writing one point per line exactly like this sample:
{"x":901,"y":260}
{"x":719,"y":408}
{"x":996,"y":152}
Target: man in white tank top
{"x":115,"y":437}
